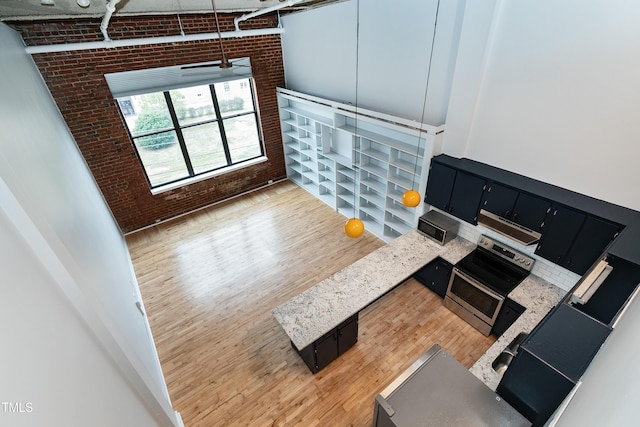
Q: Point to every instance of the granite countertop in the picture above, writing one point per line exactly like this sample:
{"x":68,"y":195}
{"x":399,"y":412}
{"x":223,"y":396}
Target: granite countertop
{"x":316,"y":311}
{"x":309,"y":315}
{"x":538,"y":297}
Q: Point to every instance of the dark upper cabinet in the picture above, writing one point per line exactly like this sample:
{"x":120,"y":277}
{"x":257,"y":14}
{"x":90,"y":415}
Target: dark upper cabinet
{"x":466,"y":197}
{"x":499,"y":200}
{"x":560,"y":229}
{"x":455,"y":192}
{"x":593,"y":238}
{"x":530,"y":211}
{"x":440,"y":186}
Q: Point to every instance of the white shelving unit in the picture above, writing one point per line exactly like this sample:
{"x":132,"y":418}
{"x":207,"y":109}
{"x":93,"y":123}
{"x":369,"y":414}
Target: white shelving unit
{"x":359,"y":164}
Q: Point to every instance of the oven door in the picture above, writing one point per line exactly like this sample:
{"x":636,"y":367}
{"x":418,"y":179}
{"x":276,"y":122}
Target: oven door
{"x":473,"y":301}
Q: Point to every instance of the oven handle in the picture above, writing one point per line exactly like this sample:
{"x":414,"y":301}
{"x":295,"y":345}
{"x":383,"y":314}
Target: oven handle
{"x":477,"y":284}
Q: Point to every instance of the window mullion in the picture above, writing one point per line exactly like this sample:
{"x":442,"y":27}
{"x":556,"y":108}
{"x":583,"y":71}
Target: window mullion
{"x":176,"y":126}
{"x":223,"y":135}
{"x":255,"y":113}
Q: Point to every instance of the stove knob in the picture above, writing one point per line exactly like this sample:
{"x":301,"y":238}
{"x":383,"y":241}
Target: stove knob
{"x":517,"y":258}
{"x":528,"y":263}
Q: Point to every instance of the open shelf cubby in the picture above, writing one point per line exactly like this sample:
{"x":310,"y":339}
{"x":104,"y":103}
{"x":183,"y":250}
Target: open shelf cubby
{"x":359,"y":164}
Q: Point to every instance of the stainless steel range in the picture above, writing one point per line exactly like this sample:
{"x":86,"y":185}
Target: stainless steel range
{"x":481,"y":281}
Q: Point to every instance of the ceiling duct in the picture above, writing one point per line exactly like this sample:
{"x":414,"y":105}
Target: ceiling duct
{"x":111,"y":7}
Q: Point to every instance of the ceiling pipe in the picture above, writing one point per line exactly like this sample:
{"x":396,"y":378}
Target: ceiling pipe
{"x":150,"y":41}
{"x":270,"y":9}
{"x":111,"y":7}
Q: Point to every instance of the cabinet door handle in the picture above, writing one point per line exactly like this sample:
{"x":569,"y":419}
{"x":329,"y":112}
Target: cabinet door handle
{"x":515,"y":215}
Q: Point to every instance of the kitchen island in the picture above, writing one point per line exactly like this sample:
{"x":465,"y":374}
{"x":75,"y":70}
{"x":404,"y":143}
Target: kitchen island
{"x":310,"y":316}
{"x":316,"y":311}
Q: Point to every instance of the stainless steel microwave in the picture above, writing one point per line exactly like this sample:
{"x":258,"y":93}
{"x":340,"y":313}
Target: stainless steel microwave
{"x":437,"y":226}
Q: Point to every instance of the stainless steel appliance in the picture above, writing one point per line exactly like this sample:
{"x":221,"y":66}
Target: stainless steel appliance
{"x":438,"y":391}
{"x":480,"y":282}
{"x":437,"y":226}
{"x":510,"y":229}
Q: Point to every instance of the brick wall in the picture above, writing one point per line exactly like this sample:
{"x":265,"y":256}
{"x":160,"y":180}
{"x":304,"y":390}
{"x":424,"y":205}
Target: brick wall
{"x":76,"y":81}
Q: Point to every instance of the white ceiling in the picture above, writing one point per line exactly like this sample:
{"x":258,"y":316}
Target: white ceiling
{"x":33,"y":9}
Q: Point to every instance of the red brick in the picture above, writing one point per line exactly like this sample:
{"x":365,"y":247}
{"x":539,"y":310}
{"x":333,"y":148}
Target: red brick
{"x":76,"y":81}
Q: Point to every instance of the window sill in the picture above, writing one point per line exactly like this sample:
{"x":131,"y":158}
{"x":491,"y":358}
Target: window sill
{"x":208,"y":175}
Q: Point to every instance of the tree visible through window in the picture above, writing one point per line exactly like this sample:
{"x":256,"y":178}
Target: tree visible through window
{"x":186,"y":132}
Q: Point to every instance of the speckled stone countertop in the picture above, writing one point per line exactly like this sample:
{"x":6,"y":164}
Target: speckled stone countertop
{"x":309,"y":315}
{"x":538,"y":297}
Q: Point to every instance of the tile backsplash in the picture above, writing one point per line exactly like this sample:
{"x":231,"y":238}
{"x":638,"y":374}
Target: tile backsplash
{"x":561,"y":277}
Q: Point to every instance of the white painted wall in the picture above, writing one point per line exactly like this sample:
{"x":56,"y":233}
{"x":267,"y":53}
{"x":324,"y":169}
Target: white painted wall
{"x":558,"y":93}
{"x":550,"y":90}
{"x":394,"y":47}
{"x":74,"y":343}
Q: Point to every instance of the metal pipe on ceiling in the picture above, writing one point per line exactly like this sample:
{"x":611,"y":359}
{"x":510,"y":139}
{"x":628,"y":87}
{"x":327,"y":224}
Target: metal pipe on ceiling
{"x":270,"y":9}
{"x":111,"y":7}
{"x":32,"y":50}
{"x":107,"y":43}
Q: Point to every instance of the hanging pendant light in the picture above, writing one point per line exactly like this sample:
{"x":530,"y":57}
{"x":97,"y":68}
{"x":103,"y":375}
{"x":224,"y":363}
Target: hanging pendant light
{"x":224,"y":63}
{"x":411,"y":198}
{"x":354,"y":227}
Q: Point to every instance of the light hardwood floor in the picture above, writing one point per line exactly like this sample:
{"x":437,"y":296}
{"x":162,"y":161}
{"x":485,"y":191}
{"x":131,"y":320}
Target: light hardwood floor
{"x":209,"y":281}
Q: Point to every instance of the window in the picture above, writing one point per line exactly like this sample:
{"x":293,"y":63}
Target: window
{"x":127,"y":107}
{"x":182,"y":133}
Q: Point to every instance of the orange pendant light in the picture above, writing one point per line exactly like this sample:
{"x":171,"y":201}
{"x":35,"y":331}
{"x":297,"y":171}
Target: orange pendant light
{"x":354,"y":228}
{"x":411,"y":198}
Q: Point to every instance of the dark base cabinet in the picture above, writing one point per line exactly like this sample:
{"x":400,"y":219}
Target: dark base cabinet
{"x":509,"y":313}
{"x":550,"y":362}
{"x":327,"y":348}
{"x":435,"y":275}
{"x":533,"y":388}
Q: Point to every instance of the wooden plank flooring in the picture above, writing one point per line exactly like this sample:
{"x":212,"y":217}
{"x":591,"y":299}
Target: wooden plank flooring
{"x":209,"y":281}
